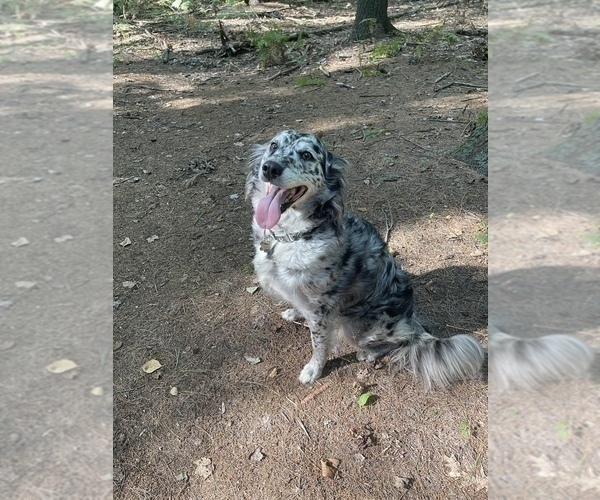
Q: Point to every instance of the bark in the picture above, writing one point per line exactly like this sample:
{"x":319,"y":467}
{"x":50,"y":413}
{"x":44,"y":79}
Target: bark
{"x":474,"y":151}
{"x":371,"y":20}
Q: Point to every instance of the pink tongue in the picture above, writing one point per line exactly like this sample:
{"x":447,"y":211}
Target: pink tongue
{"x":268,"y":210}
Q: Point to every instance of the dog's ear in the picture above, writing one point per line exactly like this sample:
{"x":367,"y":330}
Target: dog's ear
{"x":334,"y":164}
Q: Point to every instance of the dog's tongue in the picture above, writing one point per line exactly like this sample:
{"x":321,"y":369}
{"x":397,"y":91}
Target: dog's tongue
{"x":268,"y":211}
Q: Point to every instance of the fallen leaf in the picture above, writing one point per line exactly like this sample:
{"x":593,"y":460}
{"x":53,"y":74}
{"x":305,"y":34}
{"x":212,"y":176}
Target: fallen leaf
{"x":25,"y":284}
{"x":274,"y":372}
{"x":453,"y":465}
{"x":252,"y":289}
{"x":204,"y":467}
{"x":21,"y":242}
{"x":252,"y":360}
{"x":5,"y":303}
{"x":365,"y":399}
{"x":174,"y":391}
{"x":61,"y":366}
{"x":117,"y":344}
{"x":234,"y":196}
{"x":329,"y":467}
{"x":257,"y":455}
{"x":97,"y":391}
{"x":151,"y":366}
{"x":182,"y":476}
{"x":402,"y":482}
{"x":152,"y":238}
{"x":62,"y":239}
{"x":129,"y":284}
{"x":125,"y":243}
{"x":5,"y":345}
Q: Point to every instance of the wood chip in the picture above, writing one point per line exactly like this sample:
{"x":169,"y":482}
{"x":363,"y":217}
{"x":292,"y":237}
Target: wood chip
{"x":329,"y":467}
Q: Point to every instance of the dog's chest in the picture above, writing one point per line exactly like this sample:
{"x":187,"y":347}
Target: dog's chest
{"x":293,"y":264}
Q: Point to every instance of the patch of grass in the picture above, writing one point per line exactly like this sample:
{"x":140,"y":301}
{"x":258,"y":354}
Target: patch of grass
{"x":249,"y":268}
{"x":305,"y":81}
{"x":465,"y":429}
{"x":387,"y":49}
{"x":563,"y":429}
{"x":593,"y":238}
{"x":591,"y":118}
{"x":483,"y":235}
{"x":274,"y":46}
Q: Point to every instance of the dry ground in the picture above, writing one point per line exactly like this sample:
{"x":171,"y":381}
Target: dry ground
{"x":544,"y":254}
{"x":210,"y":424}
{"x":55,"y":193}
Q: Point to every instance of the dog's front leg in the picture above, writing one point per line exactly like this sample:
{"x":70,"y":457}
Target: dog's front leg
{"x":321,"y":336}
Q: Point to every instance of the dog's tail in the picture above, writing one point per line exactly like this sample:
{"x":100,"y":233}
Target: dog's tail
{"x":531,"y":363}
{"x":438,"y":362}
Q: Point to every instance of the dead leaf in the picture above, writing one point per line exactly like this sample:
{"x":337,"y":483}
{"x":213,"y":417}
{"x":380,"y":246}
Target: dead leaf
{"x":274,"y":372}
{"x":129,"y":284}
{"x":204,"y":467}
{"x":174,"y":391}
{"x":25,"y":284}
{"x":151,"y":366}
{"x":252,"y":360}
{"x":61,"y":366}
{"x":252,"y":289}
{"x":453,"y":465}
{"x":329,"y":467}
{"x":97,"y":391}
{"x":62,"y":239}
{"x":152,"y":238}
{"x":125,"y":243}
{"x":21,"y":242}
{"x":5,"y":345}
{"x":257,"y":455}
{"x":402,"y":482}
{"x":117,"y":344}
{"x":545,"y":467}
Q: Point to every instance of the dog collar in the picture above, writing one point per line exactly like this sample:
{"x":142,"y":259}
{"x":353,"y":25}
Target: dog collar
{"x":269,"y":239}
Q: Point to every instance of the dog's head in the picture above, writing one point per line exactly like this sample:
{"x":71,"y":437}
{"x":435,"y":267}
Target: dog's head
{"x":294,"y":176}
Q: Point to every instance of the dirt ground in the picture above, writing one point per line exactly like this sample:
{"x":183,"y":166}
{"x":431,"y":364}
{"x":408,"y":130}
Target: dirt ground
{"x":55,"y":249}
{"x":213,"y":422}
{"x":544,"y":234}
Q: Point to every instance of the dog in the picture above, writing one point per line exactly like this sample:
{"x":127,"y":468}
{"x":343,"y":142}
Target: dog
{"x":533,"y":363}
{"x":335,"y":270}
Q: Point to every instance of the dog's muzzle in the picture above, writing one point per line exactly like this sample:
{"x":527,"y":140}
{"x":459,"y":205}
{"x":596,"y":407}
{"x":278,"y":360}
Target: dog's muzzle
{"x":271,"y":170}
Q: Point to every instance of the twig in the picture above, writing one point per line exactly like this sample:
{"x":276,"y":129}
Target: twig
{"x":526,"y":77}
{"x":413,"y":143}
{"x":461,"y":84}
{"x":445,"y":75}
{"x":316,"y":392}
{"x":284,"y":72}
{"x":389,"y":224}
{"x":303,"y":428}
{"x":559,"y":84}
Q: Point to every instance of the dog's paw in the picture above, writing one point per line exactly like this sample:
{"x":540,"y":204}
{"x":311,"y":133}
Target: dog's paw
{"x":362,"y":356}
{"x":310,"y":373}
{"x":366,"y":355}
{"x":290,"y":315}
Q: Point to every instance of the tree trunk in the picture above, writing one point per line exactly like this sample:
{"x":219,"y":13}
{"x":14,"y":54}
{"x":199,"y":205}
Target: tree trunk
{"x":582,"y":149}
{"x":474,"y":151}
{"x":371,"y":20}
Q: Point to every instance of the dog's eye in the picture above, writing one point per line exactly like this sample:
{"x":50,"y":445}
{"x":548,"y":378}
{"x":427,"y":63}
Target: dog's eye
{"x":273,"y":146}
{"x":307,"y":156}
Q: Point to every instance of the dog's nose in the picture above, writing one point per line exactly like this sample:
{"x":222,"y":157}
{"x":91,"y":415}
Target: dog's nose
{"x":271,"y":170}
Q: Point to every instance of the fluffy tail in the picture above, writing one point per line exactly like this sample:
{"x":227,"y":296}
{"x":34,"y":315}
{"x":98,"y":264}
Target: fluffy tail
{"x":531,"y":363}
{"x":438,"y":362}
